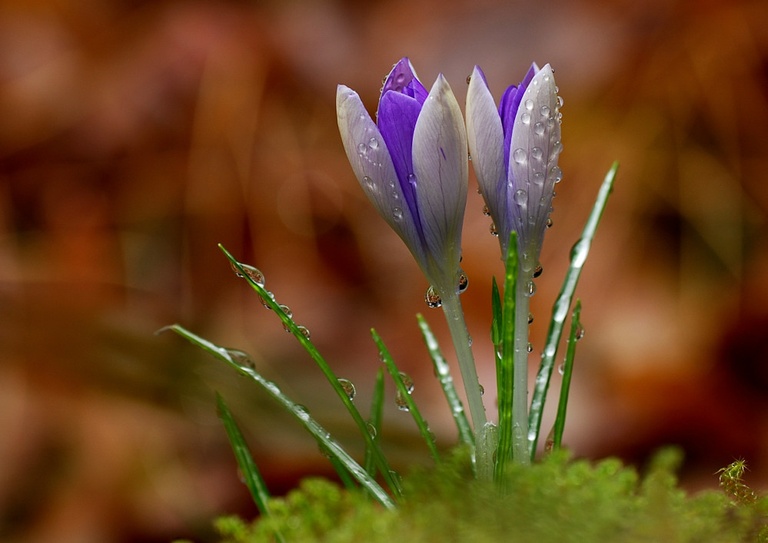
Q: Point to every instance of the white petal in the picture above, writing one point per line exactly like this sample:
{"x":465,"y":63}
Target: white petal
{"x":486,"y":145}
{"x":373,"y":167}
{"x":440,"y":165}
{"x":533,"y":156}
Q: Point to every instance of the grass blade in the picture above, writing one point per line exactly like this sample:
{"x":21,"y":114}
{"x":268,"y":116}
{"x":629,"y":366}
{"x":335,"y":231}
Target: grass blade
{"x":560,"y":309}
{"x":443,"y":374}
{"x":376,"y":416}
{"x":245,"y":367}
{"x":570,"y":353}
{"x":300,"y":334}
{"x":505,"y":364}
{"x":405,"y":394}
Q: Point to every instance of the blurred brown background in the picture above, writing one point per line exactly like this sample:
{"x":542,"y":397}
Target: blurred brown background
{"x":135,"y":136}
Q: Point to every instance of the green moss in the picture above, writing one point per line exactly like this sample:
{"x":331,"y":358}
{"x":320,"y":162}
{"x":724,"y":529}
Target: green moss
{"x":556,"y":500}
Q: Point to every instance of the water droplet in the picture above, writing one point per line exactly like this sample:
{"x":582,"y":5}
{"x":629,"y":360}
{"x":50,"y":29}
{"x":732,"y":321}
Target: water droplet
{"x":561,"y":369}
{"x":412,"y":179}
{"x":373,"y":143}
{"x":253,"y":273}
{"x":529,"y":105}
{"x":530,"y":288}
{"x":432,"y":298}
{"x":545,"y":111}
{"x":557,"y":147}
{"x":362,"y":149}
{"x":304,"y":331}
{"x":371,"y":430}
{"x":486,"y":211}
{"x":530,"y":318}
{"x":397,"y":214}
{"x":521,"y":197}
{"x":538,"y":129}
{"x":525,"y":118}
{"x":537,"y":153}
{"x":264,"y":302}
{"x":549,"y":222}
{"x":538,"y":271}
{"x":579,"y":332}
{"x":241,"y":358}
{"x":288,"y":313}
{"x":557,"y":173}
{"x":368,"y":182}
{"x":401,"y":402}
{"x":538,"y":178}
{"x":407,"y":381}
{"x":463,"y":283}
{"x":529,"y":348}
{"x":494,"y":231}
{"x":482,"y":389}
{"x":519,"y":155}
{"x":349,"y":388}
{"x":560,"y":101}
{"x":469,"y":78}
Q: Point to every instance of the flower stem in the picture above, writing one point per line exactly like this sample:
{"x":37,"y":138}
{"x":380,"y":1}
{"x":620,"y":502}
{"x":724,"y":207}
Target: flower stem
{"x":520,"y":452}
{"x":454,"y":315}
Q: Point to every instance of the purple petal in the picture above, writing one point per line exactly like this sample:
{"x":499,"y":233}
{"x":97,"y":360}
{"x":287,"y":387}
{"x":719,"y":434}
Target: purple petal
{"x":510,"y":103}
{"x":402,"y":80}
{"x":371,"y":161}
{"x":398,"y":114}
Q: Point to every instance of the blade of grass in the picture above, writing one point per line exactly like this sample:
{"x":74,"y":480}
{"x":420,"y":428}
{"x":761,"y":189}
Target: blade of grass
{"x":443,"y":374}
{"x":570,"y":353}
{"x":376,"y":416}
{"x":405,"y":394}
{"x":560,"y":309}
{"x":505,"y":366}
{"x":299,"y":333}
{"x":251,"y":474}
{"x":234,"y":359}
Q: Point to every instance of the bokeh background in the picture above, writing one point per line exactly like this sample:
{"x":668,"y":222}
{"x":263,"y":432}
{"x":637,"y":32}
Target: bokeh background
{"x":135,"y":136}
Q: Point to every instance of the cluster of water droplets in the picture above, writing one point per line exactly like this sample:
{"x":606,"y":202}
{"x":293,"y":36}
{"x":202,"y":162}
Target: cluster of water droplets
{"x":257,"y":277}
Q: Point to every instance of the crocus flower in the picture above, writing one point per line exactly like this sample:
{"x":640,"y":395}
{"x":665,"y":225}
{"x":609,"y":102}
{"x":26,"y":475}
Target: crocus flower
{"x":412,"y":165}
{"x":514,"y":152}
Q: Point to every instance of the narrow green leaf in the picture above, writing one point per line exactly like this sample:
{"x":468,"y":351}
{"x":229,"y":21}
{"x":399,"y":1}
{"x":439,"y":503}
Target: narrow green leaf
{"x":323,"y":437}
{"x":560,"y":309}
{"x":405,"y":395}
{"x":570,"y":353}
{"x":443,"y":374}
{"x":506,"y":370}
{"x":300,"y":334}
{"x":375,"y":419}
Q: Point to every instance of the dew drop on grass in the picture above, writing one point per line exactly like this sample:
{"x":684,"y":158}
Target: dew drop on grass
{"x":407,"y":381}
{"x":400,"y":402}
{"x":264,"y":302}
{"x":530,"y":288}
{"x":289,"y":314}
{"x":538,"y":271}
{"x":549,"y":222}
{"x":579,"y":332}
{"x":241,"y":358}
{"x":349,"y":388}
{"x":432,"y":298}
{"x":252,"y":272}
{"x":371,"y":430}
{"x":304,"y":331}
{"x":482,"y":389}
{"x":530,"y":318}
{"x":561,"y":369}
{"x":463,"y":283}
{"x":529,"y":348}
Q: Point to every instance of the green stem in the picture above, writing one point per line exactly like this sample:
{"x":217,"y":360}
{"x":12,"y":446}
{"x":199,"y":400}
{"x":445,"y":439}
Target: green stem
{"x":454,"y":315}
{"x":520,"y":451}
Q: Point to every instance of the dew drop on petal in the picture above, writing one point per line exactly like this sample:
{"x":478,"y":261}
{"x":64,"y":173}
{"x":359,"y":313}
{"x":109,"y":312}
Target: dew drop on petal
{"x":397,"y":214}
{"x":537,"y":153}
{"x":362,"y":149}
{"x":519,"y":155}
{"x":494,"y":231}
{"x":486,"y":211}
{"x":529,"y":348}
{"x":432,"y":298}
{"x":525,"y":118}
{"x":348,"y":387}
{"x":538,"y":129}
{"x":521,"y":197}
{"x":530,"y":318}
{"x":412,"y":179}
{"x":560,"y":101}
{"x":549,"y":222}
{"x":557,"y":173}
{"x":545,"y":111}
{"x":529,"y":105}
{"x":538,"y":178}
{"x":469,"y":78}
{"x":373,"y":143}
{"x":368,"y":182}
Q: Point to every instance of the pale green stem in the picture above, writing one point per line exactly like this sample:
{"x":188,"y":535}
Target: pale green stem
{"x":454,"y":315}
{"x":520,"y":451}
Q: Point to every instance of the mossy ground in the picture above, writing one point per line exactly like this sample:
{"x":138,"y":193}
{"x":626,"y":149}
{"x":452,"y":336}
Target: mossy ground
{"x":556,"y":500}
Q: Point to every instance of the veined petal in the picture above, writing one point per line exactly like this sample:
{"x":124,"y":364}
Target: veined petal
{"x":440,"y":165}
{"x":534,"y":150}
{"x":370,"y":160}
{"x":402,"y":79}
{"x":486,"y":141}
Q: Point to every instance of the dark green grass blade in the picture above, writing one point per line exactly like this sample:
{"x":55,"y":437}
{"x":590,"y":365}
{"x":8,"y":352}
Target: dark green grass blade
{"x":570,"y":353}
{"x":405,"y":394}
{"x":375,"y":420}
{"x":323,"y":437}
{"x":268,"y":299}
{"x":251,"y":474}
{"x":505,"y":365}
{"x":562,"y":305}
{"x":443,"y":374}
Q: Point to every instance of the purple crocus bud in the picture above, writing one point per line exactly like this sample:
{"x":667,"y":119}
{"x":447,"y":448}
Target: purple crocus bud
{"x":412,"y":165}
{"x":514,"y":153}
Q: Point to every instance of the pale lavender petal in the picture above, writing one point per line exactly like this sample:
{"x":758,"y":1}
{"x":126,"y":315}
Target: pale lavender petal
{"x":374,"y":169}
{"x":440,"y":164}
{"x":535,"y":148}
{"x":486,"y":140}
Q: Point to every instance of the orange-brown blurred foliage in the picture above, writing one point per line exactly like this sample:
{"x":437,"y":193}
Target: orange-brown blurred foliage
{"x":135,"y":136}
